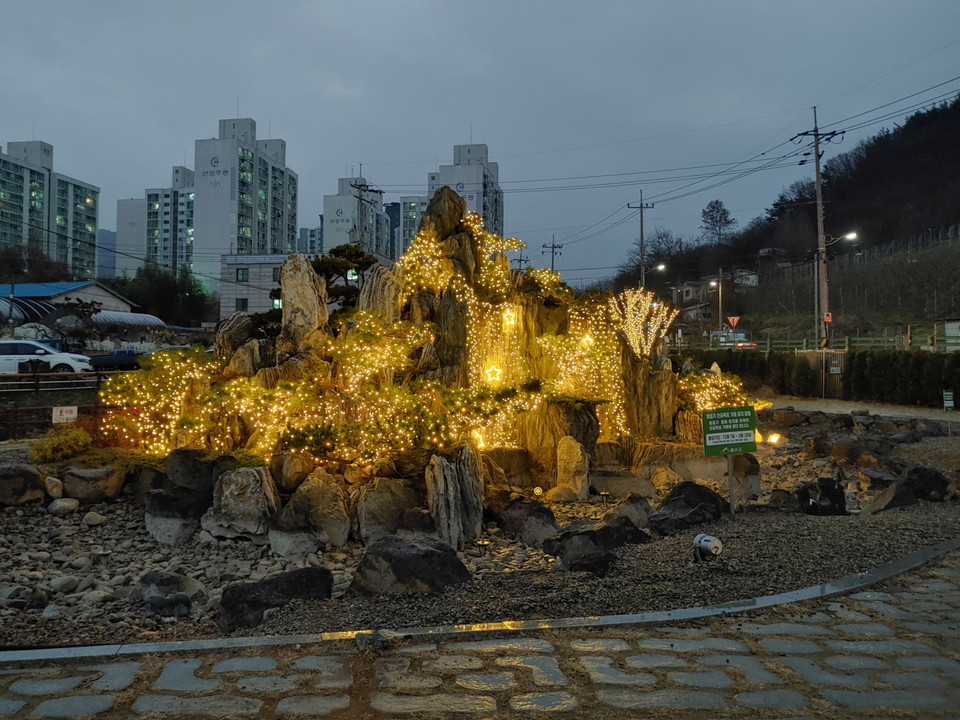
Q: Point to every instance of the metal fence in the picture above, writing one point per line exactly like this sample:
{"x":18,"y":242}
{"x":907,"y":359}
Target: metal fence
{"x":890,"y":342}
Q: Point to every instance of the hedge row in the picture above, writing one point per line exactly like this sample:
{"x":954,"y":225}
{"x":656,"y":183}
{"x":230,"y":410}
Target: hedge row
{"x":917,"y":377}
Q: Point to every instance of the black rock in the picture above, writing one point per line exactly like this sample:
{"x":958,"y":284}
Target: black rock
{"x":586,"y":545}
{"x":692,"y":494}
{"x":529,"y":521}
{"x":420,"y":564}
{"x":188,"y":469}
{"x":243,"y":604}
{"x":825,"y":496}
{"x":688,"y":504}
{"x":926,"y":483}
{"x":177,"y":605}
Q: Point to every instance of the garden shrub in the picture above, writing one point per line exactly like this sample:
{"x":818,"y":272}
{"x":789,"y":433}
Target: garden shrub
{"x":63,"y":442}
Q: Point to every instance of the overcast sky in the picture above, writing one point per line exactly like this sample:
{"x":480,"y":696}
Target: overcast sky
{"x":606,"y":92}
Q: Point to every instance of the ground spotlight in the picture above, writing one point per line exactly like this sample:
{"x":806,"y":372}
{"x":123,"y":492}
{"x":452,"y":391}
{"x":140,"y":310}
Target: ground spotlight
{"x":706,"y":548}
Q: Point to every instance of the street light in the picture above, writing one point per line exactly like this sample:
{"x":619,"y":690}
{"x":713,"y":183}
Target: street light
{"x":823,"y":316}
{"x":644,"y":269}
{"x":718,"y":284}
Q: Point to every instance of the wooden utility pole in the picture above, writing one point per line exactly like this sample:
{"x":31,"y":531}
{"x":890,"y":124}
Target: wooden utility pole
{"x":641,"y":206}
{"x":553,"y":248}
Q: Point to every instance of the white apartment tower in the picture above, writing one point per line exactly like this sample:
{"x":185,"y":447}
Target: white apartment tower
{"x":245,"y":197}
{"x":476,"y":180}
{"x":45,"y":210}
{"x":355,"y":215}
{"x":240,"y":199}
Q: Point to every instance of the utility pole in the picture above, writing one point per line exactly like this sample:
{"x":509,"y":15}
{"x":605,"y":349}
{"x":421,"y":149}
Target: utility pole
{"x":552,"y":247}
{"x":641,"y":206}
{"x":520,"y":261}
{"x":360,"y":234}
{"x":822,"y":299}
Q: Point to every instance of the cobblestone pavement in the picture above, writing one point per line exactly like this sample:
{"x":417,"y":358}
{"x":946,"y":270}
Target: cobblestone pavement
{"x":891,"y":651}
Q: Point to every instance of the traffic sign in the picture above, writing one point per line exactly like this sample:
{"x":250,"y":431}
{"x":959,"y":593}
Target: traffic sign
{"x":733,"y":320}
{"x":948,"y":400}
{"x":731,"y":430}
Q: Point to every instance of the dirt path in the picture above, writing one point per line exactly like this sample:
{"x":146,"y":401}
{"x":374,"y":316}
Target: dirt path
{"x":846,"y":406}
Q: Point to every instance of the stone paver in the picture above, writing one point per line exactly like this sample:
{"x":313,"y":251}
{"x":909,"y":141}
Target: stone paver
{"x":890,"y":651}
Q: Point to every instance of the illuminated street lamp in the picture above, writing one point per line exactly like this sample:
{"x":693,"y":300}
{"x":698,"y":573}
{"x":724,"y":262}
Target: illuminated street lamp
{"x":644,"y":269}
{"x":718,"y":284}
{"x":822,"y":288}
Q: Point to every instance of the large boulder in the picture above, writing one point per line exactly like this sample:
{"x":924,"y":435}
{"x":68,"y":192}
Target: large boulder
{"x":573,"y":467}
{"x":190,"y":469}
{"x":687,"y":505}
{"x":171,"y":518}
{"x":402,"y":566}
{"x":529,"y":521}
{"x":897,"y":495}
{"x":243,"y":604}
{"x":93,"y":485}
{"x":232,"y":333}
{"x":587,"y":544}
{"x":320,"y":505}
{"x":634,"y":507}
{"x":455,"y":497}
{"x":304,"y":307}
{"x":243,"y":501}
{"x":20,"y":483}
{"x":289,"y":469}
{"x":927,"y":483}
{"x":381,"y":507}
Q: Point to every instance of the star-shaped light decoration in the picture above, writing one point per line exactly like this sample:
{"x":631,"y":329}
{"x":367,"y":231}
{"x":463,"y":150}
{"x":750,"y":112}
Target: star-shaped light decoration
{"x":493,"y":374}
{"x":587,"y":340}
{"x":509,"y":317}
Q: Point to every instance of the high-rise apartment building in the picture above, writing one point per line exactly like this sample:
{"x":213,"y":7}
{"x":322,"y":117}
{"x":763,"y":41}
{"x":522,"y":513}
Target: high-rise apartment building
{"x":47,"y":211}
{"x":476,"y":180}
{"x":355,"y":215}
{"x":310,"y":241}
{"x":412,"y":208}
{"x":240,"y":199}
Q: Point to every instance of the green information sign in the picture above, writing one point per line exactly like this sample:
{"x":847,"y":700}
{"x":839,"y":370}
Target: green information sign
{"x":948,"y":400}
{"x":729,"y":431}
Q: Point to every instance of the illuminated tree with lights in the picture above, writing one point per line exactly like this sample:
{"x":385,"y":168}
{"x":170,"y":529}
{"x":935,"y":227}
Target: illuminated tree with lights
{"x":643,"y":319}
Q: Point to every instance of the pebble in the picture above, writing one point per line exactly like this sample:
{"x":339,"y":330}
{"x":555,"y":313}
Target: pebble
{"x":93,"y":519}
{"x":63,"y":506}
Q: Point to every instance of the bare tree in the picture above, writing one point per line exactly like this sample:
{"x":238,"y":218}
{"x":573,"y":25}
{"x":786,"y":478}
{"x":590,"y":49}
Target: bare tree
{"x":716,"y":223}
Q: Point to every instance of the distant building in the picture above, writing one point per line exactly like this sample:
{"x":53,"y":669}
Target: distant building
{"x":106,"y":253}
{"x":476,"y":180}
{"x":240,"y":199}
{"x":47,"y":210}
{"x":37,"y":299}
{"x":392,"y":211}
{"x":355,"y":215}
{"x":310,"y":241}
{"x":246,"y":282}
{"x":412,"y":208}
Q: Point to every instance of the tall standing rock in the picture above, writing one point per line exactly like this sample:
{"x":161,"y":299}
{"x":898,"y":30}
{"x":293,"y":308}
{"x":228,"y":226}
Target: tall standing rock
{"x":380,"y":293}
{"x":573,"y":467}
{"x":304,"y":307}
{"x":455,"y":497}
{"x":243,"y":500}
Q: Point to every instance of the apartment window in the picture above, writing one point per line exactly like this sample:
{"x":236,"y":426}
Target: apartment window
{"x":241,"y":305}
{"x":276,"y":274}
{"x":243,"y":275}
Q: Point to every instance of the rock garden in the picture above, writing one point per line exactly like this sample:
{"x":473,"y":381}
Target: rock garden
{"x":469,"y":444}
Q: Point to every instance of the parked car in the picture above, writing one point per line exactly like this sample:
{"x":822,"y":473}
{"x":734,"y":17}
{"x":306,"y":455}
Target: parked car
{"x":23,"y":356}
{"x":730,"y":339}
{"x":117,"y":360}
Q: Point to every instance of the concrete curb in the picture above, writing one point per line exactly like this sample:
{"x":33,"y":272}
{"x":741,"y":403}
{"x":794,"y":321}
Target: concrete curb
{"x":844,"y":585}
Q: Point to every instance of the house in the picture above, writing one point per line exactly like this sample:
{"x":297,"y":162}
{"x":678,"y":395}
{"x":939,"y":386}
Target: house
{"x":31,"y":302}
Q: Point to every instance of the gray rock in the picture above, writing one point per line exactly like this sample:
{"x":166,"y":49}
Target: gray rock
{"x":455,"y":497}
{"x":529,"y":521}
{"x":634,"y":507}
{"x":318,"y":504}
{"x":53,"y":487}
{"x":294,"y":544}
{"x":93,"y":519}
{"x":63,"y":506}
{"x":381,"y":507}
{"x":93,"y":485}
{"x":243,"y":500}
{"x":64,"y":583}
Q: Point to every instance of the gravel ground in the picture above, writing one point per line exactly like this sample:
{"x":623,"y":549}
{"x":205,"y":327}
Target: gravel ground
{"x":765,"y":551}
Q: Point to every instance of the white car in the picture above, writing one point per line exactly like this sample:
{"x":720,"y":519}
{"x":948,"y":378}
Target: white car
{"x":13,"y":353}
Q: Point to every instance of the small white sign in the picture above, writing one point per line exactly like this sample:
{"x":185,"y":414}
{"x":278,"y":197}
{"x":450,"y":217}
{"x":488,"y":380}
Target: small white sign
{"x":65,"y":414}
